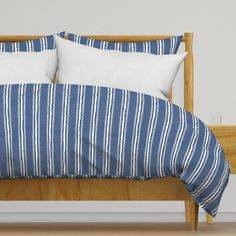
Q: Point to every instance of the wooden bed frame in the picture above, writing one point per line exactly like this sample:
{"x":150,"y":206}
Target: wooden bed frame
{"x":110,"y":189}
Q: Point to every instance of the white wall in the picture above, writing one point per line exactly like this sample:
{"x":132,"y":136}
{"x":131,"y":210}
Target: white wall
{"x":213,"y":24}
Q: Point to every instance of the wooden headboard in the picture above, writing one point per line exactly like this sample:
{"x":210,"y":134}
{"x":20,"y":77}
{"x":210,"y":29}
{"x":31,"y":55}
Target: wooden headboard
{"x":188,"y":62}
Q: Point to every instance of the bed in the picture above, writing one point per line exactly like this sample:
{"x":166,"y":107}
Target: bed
{"x":167,"y":189}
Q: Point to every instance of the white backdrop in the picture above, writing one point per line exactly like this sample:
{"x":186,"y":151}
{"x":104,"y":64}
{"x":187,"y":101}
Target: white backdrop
{"x":213,"y":24}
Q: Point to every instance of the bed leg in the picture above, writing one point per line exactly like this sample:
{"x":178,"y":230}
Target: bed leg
{"x":194,"y":214}
{"x":187,"y":212}
{"x":209,"y":219}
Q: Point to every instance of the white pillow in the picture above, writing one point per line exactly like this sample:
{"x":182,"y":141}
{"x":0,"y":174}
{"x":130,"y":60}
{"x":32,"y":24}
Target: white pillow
{"x":28,"y":67}
{"x":145,"y":73}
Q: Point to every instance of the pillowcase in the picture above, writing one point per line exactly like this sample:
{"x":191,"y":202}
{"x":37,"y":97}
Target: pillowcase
{"x":28,"y":67}
{"x":35,"y":45}
{"x":139,"y":72}
{"x":157,"y":47}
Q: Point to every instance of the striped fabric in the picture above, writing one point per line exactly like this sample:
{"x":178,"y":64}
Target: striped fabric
{"x":35,"y":45}
{"x":81,"y":131}
{"x":157,"y":47}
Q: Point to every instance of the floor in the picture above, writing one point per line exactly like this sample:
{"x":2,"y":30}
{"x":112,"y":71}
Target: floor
{"x":102,"y":229}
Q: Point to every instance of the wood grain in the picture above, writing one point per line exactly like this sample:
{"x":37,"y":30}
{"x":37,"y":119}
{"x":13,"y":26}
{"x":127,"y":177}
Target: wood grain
{"x":226,"y":135}
{"x":209,"y":219}
{"x":188,"y":73}
{"x":194,"y":214}
{"x":187,"y":212}
{"x":168,"y":188}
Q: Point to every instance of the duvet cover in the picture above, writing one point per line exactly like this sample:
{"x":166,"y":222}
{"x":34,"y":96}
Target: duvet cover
{"x":81,"y":131}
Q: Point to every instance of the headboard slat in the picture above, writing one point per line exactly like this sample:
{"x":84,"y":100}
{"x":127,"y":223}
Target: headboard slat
{"x":117,"y":38}
{"x":128,"y":38}
{"x":188,"y":73}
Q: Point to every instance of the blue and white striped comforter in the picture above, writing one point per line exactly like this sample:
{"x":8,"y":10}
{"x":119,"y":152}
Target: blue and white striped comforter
{"x":53,"y":131}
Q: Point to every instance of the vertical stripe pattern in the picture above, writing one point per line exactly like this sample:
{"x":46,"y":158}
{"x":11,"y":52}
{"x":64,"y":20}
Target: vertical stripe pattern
{"x":111,"y":133}
{"x":157,"y":47}
{"x":35,"y":45}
